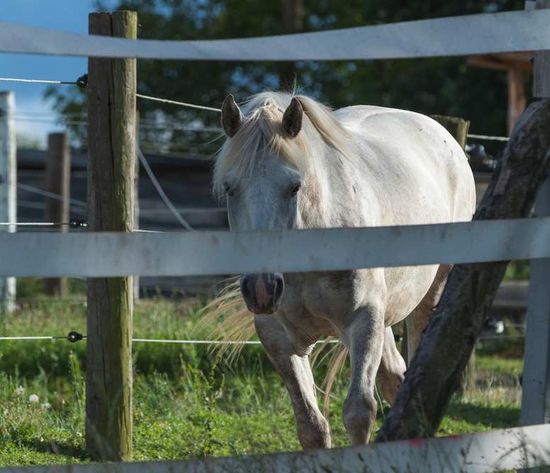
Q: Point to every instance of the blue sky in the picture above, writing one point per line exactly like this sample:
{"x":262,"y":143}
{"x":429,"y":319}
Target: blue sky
{"x":66,"y":15}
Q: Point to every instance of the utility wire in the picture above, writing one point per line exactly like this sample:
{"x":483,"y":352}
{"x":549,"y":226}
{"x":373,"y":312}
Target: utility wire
{"x":82,"y":81}
{"x":38,"y":81}
{"x":161,"y":192}
{"x":51,"y":195}
{"x":73,"y":224}
{"x":143,"y":126}
{"x":488,"y":137}
{"x":75,"y":337}
{"x":175,"y":102}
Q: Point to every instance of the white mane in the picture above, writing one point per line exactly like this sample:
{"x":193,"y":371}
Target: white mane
{"x":261,"y":131}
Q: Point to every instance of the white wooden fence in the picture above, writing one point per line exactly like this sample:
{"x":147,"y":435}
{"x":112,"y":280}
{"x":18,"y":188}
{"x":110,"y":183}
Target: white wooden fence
{"x":202,"y":253}
{"x":521,"y":447}
{"x":219,"y":253}
{"x":461,"y":35}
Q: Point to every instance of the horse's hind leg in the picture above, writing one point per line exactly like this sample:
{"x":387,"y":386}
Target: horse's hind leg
{"x":392,"y":368}
{"x":313,"y":428}
{"x":420,"y":317}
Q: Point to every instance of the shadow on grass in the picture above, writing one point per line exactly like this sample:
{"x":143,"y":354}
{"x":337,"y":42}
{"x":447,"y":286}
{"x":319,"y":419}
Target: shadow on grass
{"x":494,"y":416}
{"x":52,"y":446}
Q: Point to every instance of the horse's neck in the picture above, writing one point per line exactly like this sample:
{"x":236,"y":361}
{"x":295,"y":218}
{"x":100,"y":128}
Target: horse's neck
{"x":338,"y":200}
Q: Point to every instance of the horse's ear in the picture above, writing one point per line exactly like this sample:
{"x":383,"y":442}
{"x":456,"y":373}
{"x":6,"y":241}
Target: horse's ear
{"x":292,"y":118}
{"x":231,"y":116}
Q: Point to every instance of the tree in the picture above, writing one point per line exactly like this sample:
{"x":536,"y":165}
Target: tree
{"x":441,"y":85}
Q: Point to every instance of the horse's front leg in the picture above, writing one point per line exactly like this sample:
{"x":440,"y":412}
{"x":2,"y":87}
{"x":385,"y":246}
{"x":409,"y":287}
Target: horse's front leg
{"x":364,"y":338}
{"x":295,"y":370}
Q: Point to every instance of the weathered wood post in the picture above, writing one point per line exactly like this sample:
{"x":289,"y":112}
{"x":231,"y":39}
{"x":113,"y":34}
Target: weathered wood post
{"x":535,"y":403}
{"x":58,"y":176}
{"x":8,"y":187}
{"x":112,"y":151}
{"x":458,"y":127}
{"x":136,"y":207}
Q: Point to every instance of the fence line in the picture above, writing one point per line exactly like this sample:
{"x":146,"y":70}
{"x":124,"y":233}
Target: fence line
{"x":142,"y":126}
{"x":181,"y":104}
{"x":143,"y":340}
{"x":50,"y":195}
{"x":488,"y":137}
{"x":460,"y":35}
{"x":107,"y":254}
{"x":484,"y":452}
{"x":37,"y":81}
{"x":44,"y":224}
{"x":207,"y":342}
{"x":161,"y":193}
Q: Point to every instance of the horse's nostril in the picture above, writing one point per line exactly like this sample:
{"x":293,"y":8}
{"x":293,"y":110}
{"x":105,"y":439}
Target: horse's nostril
{"x":245,"y":287}
{"x":279,"y":287}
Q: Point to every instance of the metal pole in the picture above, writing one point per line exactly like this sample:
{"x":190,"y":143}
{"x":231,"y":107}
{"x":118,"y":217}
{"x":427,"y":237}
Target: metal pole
{"x":8,"y":187}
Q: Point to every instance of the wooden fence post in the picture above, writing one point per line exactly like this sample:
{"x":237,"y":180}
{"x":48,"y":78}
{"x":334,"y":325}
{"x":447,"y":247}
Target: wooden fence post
{"x":112,"y":152}
{"x":458,"y":127}
{"x":535,"y":402}
{"x":8,"y":187}
{"x":58,"y":176}
{"x":136,"y":206}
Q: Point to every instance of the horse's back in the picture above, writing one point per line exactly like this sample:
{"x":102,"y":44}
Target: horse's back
{"x":425,"y":173}
{"x":419,"y":175}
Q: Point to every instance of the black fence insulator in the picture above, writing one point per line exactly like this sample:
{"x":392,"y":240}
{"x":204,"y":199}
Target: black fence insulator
{"x":74,"y":337}
{"x":78,"y":223}
{"x":82,"y":81}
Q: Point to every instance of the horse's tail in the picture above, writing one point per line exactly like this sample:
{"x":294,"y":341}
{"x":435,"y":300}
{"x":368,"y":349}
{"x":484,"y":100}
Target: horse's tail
{"x":226,"y":318}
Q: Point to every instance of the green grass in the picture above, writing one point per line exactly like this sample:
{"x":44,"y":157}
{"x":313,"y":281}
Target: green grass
{"x":187,"y":402}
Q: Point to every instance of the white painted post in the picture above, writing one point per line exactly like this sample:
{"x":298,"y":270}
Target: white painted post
{"x":535,"y":404}
{"x":8,"y":187}
{"x":536,"y":371}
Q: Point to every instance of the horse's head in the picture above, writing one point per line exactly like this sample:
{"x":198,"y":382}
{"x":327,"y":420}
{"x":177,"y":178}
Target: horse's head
{"x":262,"y":189}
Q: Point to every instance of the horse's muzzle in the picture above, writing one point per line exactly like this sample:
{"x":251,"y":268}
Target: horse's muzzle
{"x":262,"y":292}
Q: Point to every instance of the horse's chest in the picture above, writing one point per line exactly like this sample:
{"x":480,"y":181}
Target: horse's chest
{"x":326,"y":295}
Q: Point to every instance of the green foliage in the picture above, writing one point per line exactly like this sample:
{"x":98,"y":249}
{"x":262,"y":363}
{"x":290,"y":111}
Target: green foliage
{"x":188,"y":403}
{"x":433,"y":86}
{"x":34,"y":287}
{"x":517,"y":271}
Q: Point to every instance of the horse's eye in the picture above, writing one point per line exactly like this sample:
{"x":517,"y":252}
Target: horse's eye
{"x":294,"y":189}
{"x":228,"y":189}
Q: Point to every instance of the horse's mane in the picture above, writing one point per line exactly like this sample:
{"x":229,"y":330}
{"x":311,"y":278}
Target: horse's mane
{"x":262,"y":131}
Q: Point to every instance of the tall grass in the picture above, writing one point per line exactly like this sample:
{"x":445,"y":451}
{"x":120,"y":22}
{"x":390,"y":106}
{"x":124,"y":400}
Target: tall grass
{"x":189,"y":402}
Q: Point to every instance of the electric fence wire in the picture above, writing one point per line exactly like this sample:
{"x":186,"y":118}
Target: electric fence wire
{"x":82,"y":82}
{"x":161,"y":192}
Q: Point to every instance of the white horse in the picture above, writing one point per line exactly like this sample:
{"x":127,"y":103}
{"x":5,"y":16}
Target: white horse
{"x":291,"y":163}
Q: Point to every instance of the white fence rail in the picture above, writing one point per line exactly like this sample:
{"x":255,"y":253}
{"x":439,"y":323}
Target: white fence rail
{"x":206,"y":253}
{"x":181,"y":254}
{"x":460,"y":35}
{"x":485,"y":452}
